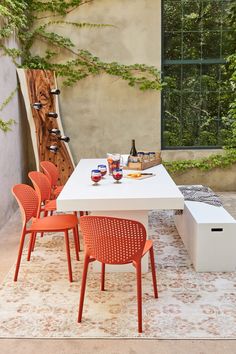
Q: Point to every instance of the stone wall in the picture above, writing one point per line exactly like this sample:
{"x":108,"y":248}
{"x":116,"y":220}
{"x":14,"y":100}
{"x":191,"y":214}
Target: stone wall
{"x":219,"y":179}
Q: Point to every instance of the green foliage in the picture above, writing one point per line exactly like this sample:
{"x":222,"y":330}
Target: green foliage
{"x":13,"y":14}
{"x":224,"y":160}
{"x":198,"y":38}
{"x":198,"y":122}
{"x":6,"y":125}
{"x":230,"y":119}
{"x":58,"y":7}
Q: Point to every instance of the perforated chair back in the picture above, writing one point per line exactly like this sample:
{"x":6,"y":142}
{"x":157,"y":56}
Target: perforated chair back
{"x":27,"y":199}
{"x":113,"y":240}
{"x":51,"y":172}
{"x":41,"y":184}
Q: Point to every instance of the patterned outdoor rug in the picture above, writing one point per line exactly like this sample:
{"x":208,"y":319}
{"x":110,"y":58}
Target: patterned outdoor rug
{"x":191,"y":305}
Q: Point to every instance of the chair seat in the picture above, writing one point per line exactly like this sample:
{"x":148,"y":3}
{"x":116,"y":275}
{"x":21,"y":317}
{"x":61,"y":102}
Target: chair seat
{"x":50,"y":205}
{"x":54,"y":223}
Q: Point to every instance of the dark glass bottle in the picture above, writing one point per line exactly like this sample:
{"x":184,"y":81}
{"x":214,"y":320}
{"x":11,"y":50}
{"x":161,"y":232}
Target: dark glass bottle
{"x":55,"y":131}
{"x":52,"y":114}
{"x":133,"y":151}
{"x":66,"y":139}
{"x":37,"y":105}
{"x":55,"y":91}
{"x":53,"y":148}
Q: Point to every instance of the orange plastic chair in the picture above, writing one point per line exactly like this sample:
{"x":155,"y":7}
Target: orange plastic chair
{"x":29,"y":204}
{"x":43,"y":189}
{"x":52,"y":173}
{"x":115,"y":241}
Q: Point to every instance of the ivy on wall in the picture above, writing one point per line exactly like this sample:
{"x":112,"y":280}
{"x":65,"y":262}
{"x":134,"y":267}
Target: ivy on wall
{"x":227,"y":159}
{"x":22,"y":17}
{"x":6,"y":125}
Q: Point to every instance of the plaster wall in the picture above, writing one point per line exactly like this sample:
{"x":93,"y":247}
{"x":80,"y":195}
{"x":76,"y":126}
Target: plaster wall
{"x":102,"y":113}
{"x":12,"y":151}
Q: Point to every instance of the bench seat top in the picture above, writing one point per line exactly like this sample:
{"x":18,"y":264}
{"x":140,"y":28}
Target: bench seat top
{"x":206,"y":214}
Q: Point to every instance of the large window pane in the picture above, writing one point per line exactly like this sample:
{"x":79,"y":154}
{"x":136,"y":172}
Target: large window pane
{"x":191,"y":80}
{"x":173,"y":15}
{"x":211,"y":44}
{"x":191,"y":45}
{"x":191,"y":15}
{"x":172,"y":49}
{"x":197,"y":38}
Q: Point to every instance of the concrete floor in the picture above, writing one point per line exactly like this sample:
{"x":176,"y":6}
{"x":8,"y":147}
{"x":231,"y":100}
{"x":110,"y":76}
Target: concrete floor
{"x":9,"y":238}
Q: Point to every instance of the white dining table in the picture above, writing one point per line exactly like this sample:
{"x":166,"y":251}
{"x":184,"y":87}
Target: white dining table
{"x":131,"y":199}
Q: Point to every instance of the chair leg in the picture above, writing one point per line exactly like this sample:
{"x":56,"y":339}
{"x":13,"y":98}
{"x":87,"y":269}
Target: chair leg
{"x":154,"y":279}
{"x":68,"y":255}
{"x":77,"y":232}
{"x":76,"y":241}
{"x":30,"y":247}
{"x":83,"y":286}
{"x":45,"y":214}
{"x":103,"y":277}
{"x":21,"y":246}
{"x":139,"y":294}
{"x":35,"y":234}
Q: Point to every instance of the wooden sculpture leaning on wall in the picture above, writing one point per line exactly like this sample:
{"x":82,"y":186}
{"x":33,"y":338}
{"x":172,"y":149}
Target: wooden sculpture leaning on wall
{"x":36,"y":86}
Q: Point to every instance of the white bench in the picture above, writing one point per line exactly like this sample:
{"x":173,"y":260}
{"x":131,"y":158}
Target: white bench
{"x":209,"y":235}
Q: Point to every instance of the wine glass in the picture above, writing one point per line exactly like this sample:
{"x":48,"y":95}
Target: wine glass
{"x":96,"y":176}
{"x":117,"y":174}
{"x":102,"y":169}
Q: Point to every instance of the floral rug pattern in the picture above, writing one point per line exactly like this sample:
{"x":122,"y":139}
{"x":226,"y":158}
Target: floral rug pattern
{"x":43,"y":304}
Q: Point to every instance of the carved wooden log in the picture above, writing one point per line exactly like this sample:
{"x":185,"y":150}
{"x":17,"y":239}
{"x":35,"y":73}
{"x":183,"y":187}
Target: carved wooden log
{"x":36,"y":86}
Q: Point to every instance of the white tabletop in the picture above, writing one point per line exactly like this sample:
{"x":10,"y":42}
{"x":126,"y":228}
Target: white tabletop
{"x":156,"y":192}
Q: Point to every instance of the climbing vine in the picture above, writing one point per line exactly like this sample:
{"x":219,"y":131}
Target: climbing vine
{"x":6,"y":125}
{"x":24,"y":18}
{"x":224,"y":160}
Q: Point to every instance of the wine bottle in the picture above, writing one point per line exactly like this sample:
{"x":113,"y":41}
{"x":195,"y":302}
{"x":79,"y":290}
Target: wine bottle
{"x":53,"y":148}
{"x":55,"y":131}
{"x":55,"y":91}
{"x":66,"y":139}
{"x":133,"y":151}
{"x":52,"y":114}
{"x":37,"y":105}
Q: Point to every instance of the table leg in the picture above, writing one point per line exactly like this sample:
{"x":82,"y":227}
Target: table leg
{"x":139,"y":215}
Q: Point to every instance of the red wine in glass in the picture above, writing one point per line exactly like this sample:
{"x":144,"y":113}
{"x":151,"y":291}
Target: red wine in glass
{"x":96,"y":176}
{"x":102,"y":169}
{"x":117,"y":174}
